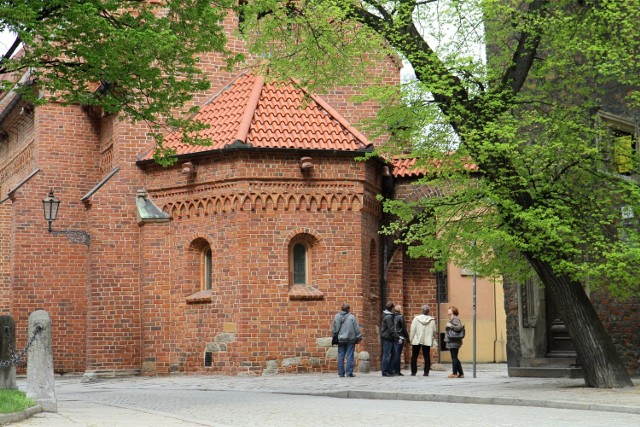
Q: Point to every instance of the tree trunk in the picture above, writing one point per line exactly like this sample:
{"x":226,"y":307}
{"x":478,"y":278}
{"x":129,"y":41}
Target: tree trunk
{"x":601,"y":364}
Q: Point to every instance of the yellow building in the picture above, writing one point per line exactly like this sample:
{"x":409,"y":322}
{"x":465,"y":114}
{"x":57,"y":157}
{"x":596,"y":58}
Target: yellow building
{"x":490,"y":322}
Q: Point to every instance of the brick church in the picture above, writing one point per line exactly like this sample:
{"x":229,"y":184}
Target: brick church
{"x":233,"y":261}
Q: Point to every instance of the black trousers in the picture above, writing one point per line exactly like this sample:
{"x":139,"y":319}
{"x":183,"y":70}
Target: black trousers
{"x":455,"y":362}
{"x":415,"y":352}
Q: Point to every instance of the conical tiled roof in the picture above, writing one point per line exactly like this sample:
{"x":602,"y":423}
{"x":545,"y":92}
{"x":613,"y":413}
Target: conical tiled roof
{"x":267,"y":115}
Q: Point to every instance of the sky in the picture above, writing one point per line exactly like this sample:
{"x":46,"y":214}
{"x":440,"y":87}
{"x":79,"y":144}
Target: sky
{"x":5,"y":40}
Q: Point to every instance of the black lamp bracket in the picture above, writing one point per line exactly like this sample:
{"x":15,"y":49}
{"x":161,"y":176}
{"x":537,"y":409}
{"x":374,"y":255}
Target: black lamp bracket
{"x":74,"y":236}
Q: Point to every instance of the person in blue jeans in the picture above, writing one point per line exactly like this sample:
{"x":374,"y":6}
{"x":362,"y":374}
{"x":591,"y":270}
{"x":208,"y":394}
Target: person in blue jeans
{"x":345,"y":325}
{"x":389,"y":336}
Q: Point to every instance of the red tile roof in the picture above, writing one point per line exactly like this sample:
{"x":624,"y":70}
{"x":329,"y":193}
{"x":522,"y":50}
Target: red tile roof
{"x":406,"y":167}
{"x":257,"y":114}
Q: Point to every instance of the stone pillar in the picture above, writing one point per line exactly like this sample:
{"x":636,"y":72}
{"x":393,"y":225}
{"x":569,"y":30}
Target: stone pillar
{"x":7,"y":338}
{"x":40,"y":384}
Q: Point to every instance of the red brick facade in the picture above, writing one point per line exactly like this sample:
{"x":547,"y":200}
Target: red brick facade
{"x":132,"y":300}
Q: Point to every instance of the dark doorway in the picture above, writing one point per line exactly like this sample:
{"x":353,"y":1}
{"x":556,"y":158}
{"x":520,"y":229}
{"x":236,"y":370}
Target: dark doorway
{"x":558,"y":341}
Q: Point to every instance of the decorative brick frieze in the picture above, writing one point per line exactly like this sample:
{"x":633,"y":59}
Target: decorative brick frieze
{"x":223,"y":203}
{"x":18,"y":166}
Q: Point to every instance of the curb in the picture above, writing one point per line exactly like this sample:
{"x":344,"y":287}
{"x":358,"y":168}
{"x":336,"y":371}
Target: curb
{"x":445,"y":398}
{"x":14,"y":417}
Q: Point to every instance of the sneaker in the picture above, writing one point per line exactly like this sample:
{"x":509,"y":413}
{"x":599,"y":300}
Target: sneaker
{"x":453,"y":375}
{"x":461,"y":376}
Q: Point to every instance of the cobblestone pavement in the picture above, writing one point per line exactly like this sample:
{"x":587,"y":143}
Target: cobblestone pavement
{"x":186,"y":400}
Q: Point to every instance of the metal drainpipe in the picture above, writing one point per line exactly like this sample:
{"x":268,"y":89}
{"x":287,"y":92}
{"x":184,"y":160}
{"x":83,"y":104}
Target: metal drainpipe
{"x":385,"y":269}
{"x":438,"y":317}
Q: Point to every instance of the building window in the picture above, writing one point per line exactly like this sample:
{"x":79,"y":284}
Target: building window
{"x":621,"y":143}
{"x":206,"y":269}
{"x":442,"y":283}
{"x":300,"y":261}
{"x":624,"y":151}
{"x":529,"y":296}
{"x":301,"y":251}
{"x":198,"y":273}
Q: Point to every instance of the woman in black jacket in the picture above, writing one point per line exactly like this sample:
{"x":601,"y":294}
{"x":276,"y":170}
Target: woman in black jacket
{"x":454,"y":344}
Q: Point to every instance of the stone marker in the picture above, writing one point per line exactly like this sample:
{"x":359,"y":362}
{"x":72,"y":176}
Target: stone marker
{"x":364,"y":364}
{"x":7,"y":373}
{"x":40,"y":383}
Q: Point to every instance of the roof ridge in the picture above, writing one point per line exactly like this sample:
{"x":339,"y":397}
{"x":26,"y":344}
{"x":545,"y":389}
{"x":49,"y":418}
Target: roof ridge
{"x":335,"y":114}
{"x":225,"y":87}
{"x":250,"y":110}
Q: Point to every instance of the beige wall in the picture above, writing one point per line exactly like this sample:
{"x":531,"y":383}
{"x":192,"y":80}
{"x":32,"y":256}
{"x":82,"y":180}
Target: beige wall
{"x":490,"y":316}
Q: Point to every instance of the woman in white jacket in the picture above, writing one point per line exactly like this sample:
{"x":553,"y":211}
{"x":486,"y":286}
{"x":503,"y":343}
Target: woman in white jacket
{"x":423,"y":330}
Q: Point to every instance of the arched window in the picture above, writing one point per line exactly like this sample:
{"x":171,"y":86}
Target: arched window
{"x":206,"y":269}
{"x":300,"y":256}
{"x":303,"y":251}
{"x":198,"y":272}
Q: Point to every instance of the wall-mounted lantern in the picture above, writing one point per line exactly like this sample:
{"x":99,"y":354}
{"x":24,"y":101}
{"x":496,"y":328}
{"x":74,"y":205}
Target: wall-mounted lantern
{"x":50,"y":204}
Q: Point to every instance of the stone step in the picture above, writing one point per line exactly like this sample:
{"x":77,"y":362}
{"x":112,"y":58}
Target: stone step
{"x":550,"y":362}
{"x":546,"y":372}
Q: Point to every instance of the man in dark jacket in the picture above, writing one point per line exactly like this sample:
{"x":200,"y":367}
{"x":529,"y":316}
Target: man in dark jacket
{"x":401,"y":328}
{"x":346,"y":327}
{"x":389,"y":337}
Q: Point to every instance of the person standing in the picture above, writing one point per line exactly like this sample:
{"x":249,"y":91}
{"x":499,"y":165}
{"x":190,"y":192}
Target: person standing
{"x":454,"y":344}
{"x":422,"y":332}
{"x":345,"y":325}
{"x":389,"y":336}
{"x":401,"y":328}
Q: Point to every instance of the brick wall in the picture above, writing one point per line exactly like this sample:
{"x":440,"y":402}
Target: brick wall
{"x":621,"y":319}
{"x":48,"y":271}
{"x":251,"y":321}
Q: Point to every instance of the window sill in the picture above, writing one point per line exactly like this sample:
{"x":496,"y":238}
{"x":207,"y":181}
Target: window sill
{"x":202,"y":297}
{"x":305,"y":292}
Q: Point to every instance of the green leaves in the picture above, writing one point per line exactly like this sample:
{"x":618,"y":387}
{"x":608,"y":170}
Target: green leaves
{"x":527,"y":116}
{"x":143,"y":59}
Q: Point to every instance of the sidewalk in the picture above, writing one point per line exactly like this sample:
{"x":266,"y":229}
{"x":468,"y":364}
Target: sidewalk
{"x":491,"y":386}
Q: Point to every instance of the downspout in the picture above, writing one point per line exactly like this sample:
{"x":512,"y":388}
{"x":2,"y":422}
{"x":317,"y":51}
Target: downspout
{"x":438,"y":317}
{"x":495,"y":322}
{"x":385,"y":269}
{"x":388,"y":186}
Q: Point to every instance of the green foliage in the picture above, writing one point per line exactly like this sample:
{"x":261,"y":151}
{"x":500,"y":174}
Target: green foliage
{"x":126,"y":56}
{"x":314,"y":42}
{"x":526,"y":115}
{"x":14,"y":401}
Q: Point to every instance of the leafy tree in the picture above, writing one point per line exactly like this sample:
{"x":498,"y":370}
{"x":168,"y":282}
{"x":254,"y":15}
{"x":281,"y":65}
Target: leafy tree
{"x":530,"y":176}
{"x":136,"y":58}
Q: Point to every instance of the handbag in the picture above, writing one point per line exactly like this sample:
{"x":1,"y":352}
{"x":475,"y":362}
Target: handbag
{"x":334,"y":339}
{"x":456,"y":335}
